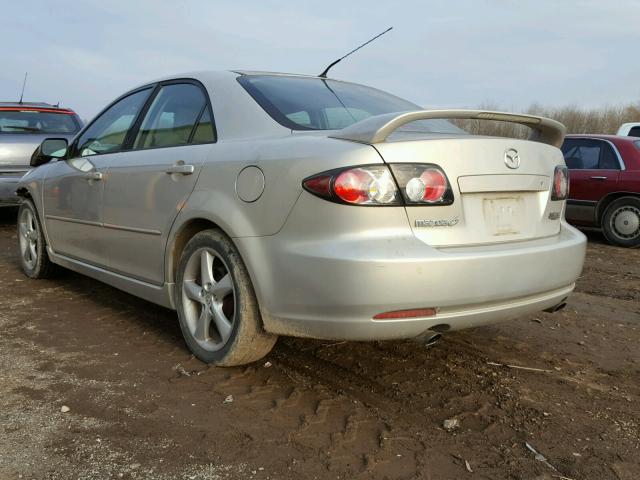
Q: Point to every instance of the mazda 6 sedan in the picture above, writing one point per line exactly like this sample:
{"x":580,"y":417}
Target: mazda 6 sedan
{"x":260,"y":204}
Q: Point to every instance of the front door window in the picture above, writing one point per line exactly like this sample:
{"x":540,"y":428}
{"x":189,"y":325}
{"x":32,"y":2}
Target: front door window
{"x":107,"y":134}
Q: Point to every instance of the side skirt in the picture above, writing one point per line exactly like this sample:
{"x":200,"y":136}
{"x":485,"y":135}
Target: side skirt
{"x":161,"y":295}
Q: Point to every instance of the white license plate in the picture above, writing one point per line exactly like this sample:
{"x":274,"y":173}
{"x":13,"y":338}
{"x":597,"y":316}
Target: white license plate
{"x":503,"y":216}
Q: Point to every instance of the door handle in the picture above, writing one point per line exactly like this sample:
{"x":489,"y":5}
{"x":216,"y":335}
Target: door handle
{"x":181,"y":168}
{"x":93,"y":176}
{"x":598,"y":178}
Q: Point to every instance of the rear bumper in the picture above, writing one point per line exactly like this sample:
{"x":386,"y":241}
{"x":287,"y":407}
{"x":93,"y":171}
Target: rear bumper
{"x":333,"y":289}
{"x":8,"y":185}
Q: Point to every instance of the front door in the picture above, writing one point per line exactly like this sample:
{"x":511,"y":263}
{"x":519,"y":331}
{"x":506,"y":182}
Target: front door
{"x":148,"y":185}
{"x":74,"y":190}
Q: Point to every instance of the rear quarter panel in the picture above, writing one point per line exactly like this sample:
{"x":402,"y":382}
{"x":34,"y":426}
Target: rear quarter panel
{"x":285,"y":162}
{"x":629,"y":181}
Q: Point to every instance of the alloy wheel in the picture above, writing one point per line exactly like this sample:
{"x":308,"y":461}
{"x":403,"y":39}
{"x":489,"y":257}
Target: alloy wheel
{"x":209,"y":298}
{"x":28,"y":238}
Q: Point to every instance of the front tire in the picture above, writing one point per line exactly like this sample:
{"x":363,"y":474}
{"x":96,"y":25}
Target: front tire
{"x":621,"y":222}
{"x":34,"y":258}
{"x":217,"y":307}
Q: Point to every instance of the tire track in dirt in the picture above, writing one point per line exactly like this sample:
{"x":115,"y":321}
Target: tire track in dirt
{"x":348,"y":410}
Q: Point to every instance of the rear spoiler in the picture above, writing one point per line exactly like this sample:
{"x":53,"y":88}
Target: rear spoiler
{"x":376,"y":129}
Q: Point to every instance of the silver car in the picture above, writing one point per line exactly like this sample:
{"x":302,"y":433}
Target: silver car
{"x":260,"y":204}
{"x":23,"y":126}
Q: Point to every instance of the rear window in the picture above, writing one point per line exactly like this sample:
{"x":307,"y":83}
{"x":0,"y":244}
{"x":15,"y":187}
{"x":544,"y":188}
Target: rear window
{"x":37,"y":121}
{"x":307,"y":103}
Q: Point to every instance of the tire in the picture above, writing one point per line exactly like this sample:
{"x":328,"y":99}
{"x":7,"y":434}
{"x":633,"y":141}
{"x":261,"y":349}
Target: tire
{"x":621,"y":222}
{"x":217,"y":307}
{"x":32,"y":245}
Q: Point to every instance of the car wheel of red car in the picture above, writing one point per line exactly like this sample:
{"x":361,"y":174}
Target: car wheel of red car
{"x":621,"y":222}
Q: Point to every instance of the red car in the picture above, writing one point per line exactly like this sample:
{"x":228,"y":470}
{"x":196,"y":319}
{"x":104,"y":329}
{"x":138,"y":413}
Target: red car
{"x":605,"y":185}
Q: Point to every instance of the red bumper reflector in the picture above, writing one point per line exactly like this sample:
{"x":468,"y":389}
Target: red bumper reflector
{"x":415,"y":313}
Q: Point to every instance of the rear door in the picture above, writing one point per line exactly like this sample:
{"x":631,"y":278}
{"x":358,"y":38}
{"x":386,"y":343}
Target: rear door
{"x":594,"y":169}
{"x":74,"y":188}
{"x":496,"y":199}
{"x":149,"y":184}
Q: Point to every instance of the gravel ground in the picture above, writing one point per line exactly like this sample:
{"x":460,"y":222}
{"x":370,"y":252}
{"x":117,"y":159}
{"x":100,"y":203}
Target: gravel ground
{"x":140,"y":407}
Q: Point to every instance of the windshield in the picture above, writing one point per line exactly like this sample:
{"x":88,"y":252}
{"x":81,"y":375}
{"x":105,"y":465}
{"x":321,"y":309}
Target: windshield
{"x":15,"y":120}
{"x":308,"y":103}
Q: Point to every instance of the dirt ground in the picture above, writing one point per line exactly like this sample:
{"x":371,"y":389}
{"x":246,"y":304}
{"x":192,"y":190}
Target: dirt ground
{"x":140,"y":407}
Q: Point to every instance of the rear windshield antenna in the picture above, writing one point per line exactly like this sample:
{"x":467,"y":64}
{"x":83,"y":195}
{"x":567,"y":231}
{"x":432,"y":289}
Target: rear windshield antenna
{"x":326,"y":70}
{"x":24,"y":82}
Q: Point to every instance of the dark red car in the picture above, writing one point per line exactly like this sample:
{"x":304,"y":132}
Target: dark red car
{"x":605,"y":185}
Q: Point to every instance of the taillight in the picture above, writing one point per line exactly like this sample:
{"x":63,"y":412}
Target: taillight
{"x":416,"y":184}
{"x":365,"y":185}
{"x":422,"y":184}
{"x":560,"y":189}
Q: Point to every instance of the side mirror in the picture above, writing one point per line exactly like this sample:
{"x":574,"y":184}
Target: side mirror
{"x":49,"y":149}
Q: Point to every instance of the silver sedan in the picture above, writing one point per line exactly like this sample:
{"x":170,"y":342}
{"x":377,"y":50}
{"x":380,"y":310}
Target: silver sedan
{"x":259,"y":204}
{"x":23,"y":126}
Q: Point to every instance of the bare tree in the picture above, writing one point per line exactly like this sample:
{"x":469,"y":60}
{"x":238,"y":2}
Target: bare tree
{"x":605,"y":120}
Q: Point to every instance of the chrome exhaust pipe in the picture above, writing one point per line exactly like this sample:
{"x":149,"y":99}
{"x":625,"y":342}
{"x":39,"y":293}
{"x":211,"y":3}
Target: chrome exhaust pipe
{"x":428,"y":338}
{"x":556,"y":308}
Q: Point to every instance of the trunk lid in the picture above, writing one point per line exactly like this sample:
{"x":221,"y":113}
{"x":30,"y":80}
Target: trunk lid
{"x":492,"y":202}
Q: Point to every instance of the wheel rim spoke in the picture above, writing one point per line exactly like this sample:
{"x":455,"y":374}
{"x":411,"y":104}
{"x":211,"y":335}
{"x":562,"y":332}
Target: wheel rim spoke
{"x":206,"y":267}
{"x":28,"y":234}
{"x":222,"y":324}
{"x":193,"y":291}
{"x":202,"y":326}
{"x":24,"y":246}
{"x":222,"y":288}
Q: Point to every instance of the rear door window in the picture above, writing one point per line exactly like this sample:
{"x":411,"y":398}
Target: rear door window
{"x":178,"y":116}
{"x":204,"y":132}
{"x":634,"y":132}
{"x":608,"y":158}
{"x":589,"y":154}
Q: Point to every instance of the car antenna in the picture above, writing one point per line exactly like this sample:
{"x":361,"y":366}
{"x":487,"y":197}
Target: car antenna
{"x":326,"y":70}
{"x":23,"y":85}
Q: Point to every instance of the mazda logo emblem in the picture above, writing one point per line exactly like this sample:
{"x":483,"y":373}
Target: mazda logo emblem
{"x":512,"y":158}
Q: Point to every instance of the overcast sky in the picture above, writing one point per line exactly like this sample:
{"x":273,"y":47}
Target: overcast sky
{"x":459,"y":53}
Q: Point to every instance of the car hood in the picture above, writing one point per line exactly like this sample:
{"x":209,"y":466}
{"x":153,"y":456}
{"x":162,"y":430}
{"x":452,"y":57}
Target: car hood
{"x":16,"y":149}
